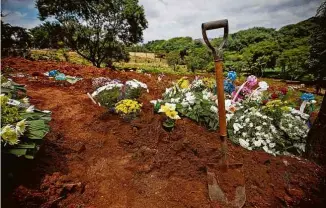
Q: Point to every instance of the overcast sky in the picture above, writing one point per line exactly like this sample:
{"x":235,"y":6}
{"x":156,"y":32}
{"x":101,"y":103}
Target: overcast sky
{"x":171,"y":18}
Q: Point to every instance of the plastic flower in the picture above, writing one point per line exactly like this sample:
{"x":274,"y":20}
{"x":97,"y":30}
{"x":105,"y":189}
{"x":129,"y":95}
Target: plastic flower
{"x":20,"y":127}
{"x":263,"y":85}
{"x":9,"y":135}
{"x":307,"y":97}
{"x":53,"y":73}
{"x":232,"y":75}
{"x":252,"y":80}
{"x":228,"y":87}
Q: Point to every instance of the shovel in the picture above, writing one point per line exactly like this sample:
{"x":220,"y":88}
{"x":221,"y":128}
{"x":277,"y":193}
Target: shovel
{"x":224,"y":178}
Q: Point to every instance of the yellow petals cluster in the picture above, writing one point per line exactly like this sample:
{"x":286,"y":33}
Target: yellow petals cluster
{"x":128,"y":106}
{"x":169,"y":110}
{"x":209,"y":82}
{"x":183,"y":83}
{"x":273,"y":104}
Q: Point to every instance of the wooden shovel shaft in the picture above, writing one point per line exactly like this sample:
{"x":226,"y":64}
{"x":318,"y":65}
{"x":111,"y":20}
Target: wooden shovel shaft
{"x":220,"y":98}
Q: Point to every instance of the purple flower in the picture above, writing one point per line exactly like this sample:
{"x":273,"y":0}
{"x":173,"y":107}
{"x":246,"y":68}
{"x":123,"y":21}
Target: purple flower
{"x":252,"y":80}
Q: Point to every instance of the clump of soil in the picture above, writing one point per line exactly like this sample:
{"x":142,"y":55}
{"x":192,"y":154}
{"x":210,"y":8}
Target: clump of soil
{"x":92,"y":158}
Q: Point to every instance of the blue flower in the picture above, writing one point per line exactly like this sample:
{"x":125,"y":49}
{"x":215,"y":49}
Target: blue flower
{"x":307,"y":97}
{"x":53,"y":73}
{"x":232,"y":75}
{"x":228,"y":86}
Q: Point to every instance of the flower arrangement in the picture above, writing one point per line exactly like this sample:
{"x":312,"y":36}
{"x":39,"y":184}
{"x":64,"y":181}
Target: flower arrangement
{"x":171,"y":115}
{"x":128,"y":108}
{"x":259,"y":117}
{"x":134,"y":89}
{"x":112,"y":91}
{"x":23,"y":127}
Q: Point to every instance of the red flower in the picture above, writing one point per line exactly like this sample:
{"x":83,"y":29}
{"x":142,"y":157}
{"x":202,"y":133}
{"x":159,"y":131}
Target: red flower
{"x":274,"y":95}
{"x":284,"y":90}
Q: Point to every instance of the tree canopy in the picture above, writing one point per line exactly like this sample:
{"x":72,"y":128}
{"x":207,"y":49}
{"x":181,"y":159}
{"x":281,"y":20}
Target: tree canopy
{"x":98,"y":30}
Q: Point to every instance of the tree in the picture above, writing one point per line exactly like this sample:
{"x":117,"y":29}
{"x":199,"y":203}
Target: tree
{"x":47,"y":35}
{"x":317,"y":58}
{"x":98,"y":30}
{"x":198,"y":58}
{"x":14,"y":40}
{"x":261,"y":55}
{"x":316,"y":141}
{"x":172,"y":58}
{"x":294,"y":62}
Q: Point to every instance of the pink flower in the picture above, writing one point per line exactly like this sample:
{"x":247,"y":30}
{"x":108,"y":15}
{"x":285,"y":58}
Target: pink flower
{"x":252,"y":80}
{"x":246,"y":91}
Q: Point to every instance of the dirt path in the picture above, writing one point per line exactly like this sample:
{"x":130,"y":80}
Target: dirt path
{"x":95,"y":159}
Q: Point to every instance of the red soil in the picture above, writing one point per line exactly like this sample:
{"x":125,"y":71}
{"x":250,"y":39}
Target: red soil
{"x":95,"y":159}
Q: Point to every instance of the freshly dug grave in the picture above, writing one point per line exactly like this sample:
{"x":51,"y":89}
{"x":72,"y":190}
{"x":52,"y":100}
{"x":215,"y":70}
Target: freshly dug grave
{"x":92,"y":158}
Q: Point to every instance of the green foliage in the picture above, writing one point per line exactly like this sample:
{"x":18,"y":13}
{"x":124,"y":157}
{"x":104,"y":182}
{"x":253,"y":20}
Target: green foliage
{"x":173,"y":58}
{"x":15,"y":41}
{"x":97,"y":30}
{"x":198,"y":58}
{"x":108,"y":98}
{"x":202,"y":114}
{"x":294,"y":62}
{"x":317,"y":58}
{"x":47,"y":35}
{"x":9,"y":114}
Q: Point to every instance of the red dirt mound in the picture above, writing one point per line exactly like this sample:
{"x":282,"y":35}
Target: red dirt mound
{"x":92,"y":158}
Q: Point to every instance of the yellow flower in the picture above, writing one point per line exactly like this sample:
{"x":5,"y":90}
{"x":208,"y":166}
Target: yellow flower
{"x":9,"y":135}
{"x":209,"y":82}
{"x":127,"y":106}
{"x":183,"y":83}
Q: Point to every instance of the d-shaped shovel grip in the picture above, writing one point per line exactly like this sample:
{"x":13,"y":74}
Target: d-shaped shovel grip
{"x":215,"y":25}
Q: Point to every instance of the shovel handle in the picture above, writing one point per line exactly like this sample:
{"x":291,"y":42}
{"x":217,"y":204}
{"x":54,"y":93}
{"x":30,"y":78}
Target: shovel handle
{"x":215,"y":25}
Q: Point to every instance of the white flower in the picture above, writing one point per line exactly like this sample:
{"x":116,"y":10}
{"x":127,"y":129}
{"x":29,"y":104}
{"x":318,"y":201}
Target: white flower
{"x":155,"y":101}
{"x":268,"y":141}
{"x":258,"y":114}
{"x":258,"y":128}
{"x":264,"y":124}
{"x":313,"y":101}
{"x":190,"y":98}
{"x":25,"y":100}
{"x":168,"y":90}
{"x":272,"y":145}
{"x":263,"y":85}
{"x":257,"y":143}
{"x":235,"y":126}
{"x":265,"y":148}
{"x":30,"y":109}
{"x":264,"y":117}
{"x":247,"y":120}
{"x":244,"y":134}
{"x":136,"y":84}
{"x":213,"y":109}
{"x":244,"y":143}
{"x":184,"y":103}
{"x":251,"y":125}
{"x":175,"y":100}
{"x":20,"y":127}
{"x":206,"y":95}
{"x":229,"y":116}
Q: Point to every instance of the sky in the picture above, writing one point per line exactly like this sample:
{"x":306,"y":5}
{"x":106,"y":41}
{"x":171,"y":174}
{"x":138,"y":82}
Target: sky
{"x":175,"y":18}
